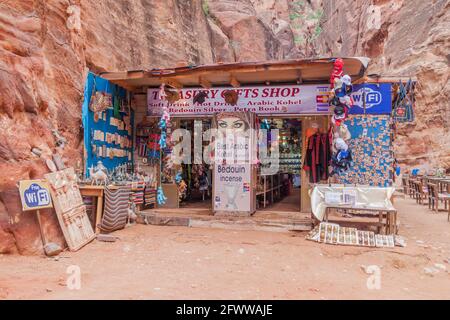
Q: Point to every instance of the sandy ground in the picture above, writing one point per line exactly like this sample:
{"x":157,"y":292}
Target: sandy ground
{"x":151,"y":262}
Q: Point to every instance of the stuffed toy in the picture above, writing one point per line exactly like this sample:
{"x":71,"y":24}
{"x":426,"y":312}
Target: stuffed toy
{"x":334,"y":101}
{"x":340,"y":144}
{"x":339,"y":92}
{"x":343,"y":132}
{"x":347,"y":84}
{"x":342,"y":160}
{"x":347,"y":100}
{"x":340,"y":113}
{"x":341,"y":87}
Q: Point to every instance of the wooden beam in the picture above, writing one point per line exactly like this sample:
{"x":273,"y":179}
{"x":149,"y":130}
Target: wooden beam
{"x":299,"y":76}
{"x":172,"y":82}
{"x":234,"y":82}
{"x":383,"y":79}
{"x":204,"y":82}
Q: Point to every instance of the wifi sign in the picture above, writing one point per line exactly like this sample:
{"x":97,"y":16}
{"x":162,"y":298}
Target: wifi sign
{"x":373,"y":98}
{"x":377,"y":98}
{"x":34,"y":195}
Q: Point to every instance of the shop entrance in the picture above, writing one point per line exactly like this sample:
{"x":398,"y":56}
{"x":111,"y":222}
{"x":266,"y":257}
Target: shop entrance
{"x":187,"y":184}
{"x":196,"y":176}
{"x":281,"y":191}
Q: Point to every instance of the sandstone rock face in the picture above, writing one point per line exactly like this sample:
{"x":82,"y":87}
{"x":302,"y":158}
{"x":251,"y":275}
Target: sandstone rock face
{"x":403,"y":38}
{"x":47,"y":47}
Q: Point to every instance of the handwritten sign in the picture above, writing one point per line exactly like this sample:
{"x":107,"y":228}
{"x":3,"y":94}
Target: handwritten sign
{"x":35,"y":194}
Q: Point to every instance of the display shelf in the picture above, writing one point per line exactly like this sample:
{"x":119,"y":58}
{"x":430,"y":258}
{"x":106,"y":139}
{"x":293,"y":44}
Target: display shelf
{"x":271,"y":185}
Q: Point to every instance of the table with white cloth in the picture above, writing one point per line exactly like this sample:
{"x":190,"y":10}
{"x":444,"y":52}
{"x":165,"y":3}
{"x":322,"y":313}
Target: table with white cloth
{"x":370,"y":201}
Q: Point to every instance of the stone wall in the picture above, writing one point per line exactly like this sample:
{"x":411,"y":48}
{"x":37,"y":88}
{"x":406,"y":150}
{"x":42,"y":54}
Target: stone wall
{"x":403,"y":38}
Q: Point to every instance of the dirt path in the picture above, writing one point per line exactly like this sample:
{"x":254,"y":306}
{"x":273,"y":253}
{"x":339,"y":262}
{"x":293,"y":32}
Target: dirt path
{"x":151,"y":262}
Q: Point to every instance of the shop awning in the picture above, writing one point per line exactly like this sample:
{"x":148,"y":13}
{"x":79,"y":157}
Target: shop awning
{"x":238,"y":74}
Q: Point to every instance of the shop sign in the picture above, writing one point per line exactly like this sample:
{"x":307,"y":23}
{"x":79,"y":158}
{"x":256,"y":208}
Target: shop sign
{"x":272,"y":100}
{"x":232,"y":187}
{"x":34,"y":194}
{"x":289,"y":99}
{"x":377,"y":98}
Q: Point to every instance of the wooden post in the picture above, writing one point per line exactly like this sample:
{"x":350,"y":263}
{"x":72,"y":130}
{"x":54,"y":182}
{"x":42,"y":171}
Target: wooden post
{"x":98,"y":215}
{"x":44,"y":240}
{"x":364,"y":101}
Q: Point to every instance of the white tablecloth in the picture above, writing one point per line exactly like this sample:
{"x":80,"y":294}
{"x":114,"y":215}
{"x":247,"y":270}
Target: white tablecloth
{"x":366,"y":197}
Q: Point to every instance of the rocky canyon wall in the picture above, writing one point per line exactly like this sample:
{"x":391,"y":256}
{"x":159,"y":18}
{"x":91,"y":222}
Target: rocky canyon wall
{"x":46,"y":48}
{"x":403,"y":38}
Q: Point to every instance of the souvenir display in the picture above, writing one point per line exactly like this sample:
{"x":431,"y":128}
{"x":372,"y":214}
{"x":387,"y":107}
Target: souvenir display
{"x":403,"y":107}
{"x":348,"y":236}
{"x":164,"y":125}
{"x":317,"y":157}
{"x":341,"y":101}
{"x":332,"y":233}
{"x":342,"y":159}
{"x":137,"y":188}
{"x":110,"y":130}
{"x":337,"y":72}
{"x":371,"y":150}
{"x":98,"y":176}
{"x":149,"y":195}
{"x":100,"y":100}
{"x":382,"y":240}
{"x":193,"y":181}
{"x":274,"y":187}
{"x":366,"y":238}
{"x":115,"y":213}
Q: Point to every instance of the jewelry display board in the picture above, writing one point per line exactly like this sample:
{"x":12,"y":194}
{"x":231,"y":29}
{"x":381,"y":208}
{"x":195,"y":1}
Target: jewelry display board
{"x":108,"y":135}
{"x":332,"y":233}
{"x":372,"y":151}
{"x":70,"y":209}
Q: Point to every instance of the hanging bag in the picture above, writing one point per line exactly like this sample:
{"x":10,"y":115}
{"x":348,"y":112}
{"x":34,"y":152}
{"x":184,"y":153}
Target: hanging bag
{"x":100,"y":101}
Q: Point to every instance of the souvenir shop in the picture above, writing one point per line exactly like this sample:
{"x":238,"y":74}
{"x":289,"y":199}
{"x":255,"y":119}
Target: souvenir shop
{"x":150,"y":116}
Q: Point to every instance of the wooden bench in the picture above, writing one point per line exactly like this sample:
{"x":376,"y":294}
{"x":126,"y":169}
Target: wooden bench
{"x":387,"y":218}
